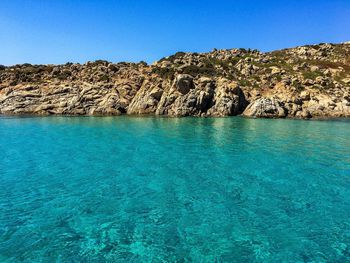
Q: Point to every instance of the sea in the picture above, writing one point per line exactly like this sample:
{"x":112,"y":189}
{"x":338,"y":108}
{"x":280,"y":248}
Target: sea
{"x":155,"y":189}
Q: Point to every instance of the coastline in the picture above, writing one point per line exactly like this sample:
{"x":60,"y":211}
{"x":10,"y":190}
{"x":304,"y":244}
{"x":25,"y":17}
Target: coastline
{"x":303,"y":82}
{"x":153,"y":116}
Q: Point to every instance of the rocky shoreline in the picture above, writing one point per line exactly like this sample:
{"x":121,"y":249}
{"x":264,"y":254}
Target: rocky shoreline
{"x":302,"y":82}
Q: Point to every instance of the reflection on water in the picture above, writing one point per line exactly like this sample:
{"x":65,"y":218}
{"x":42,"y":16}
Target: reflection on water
{"x":165,"y":189}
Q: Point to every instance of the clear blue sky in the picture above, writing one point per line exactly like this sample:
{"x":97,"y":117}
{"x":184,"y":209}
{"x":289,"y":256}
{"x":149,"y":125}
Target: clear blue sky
{"x":48,"y":31}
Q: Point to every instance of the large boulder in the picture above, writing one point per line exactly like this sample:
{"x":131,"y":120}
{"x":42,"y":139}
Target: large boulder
{"x":146,"y":99}
{"x":229,"y":99}
{"x":185,"y":98}
{"x":204,"y":97}
{"x":266,"y":108}
{"x":184,"y":83}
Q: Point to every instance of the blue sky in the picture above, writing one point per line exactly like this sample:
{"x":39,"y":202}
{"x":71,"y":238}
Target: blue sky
{"x":48,"y":31}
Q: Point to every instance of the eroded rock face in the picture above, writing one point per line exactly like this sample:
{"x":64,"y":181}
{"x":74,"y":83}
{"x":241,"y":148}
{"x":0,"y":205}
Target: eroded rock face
{"x":205,"y":98}
{"x":184,"y":83}
{"x":146,"y":99}
{"x":301,"y":82}
{"x":266,"y":108}
{"x":229,"y":99}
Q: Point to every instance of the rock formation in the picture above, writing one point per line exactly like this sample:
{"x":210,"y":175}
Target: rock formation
{"x":301,"y":82}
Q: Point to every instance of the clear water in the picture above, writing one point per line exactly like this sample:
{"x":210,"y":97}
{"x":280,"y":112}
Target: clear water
{"x":127,"y":189}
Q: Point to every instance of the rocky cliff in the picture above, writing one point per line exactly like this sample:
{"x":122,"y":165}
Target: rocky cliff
{"x":301,"y":82}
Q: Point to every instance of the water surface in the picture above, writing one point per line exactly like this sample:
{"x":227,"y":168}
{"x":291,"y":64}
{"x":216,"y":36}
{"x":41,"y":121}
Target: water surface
{"x":128,"y":189}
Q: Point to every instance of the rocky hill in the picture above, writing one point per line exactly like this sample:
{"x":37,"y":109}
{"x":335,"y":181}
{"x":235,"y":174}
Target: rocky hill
{"x":301,"y":82}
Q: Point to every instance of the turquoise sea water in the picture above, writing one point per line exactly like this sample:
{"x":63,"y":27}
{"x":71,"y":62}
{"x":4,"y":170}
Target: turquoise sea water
{"x":127,"y":189}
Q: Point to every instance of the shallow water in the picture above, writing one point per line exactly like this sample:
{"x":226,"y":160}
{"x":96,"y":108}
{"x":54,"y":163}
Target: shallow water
{"x":128,"y":189}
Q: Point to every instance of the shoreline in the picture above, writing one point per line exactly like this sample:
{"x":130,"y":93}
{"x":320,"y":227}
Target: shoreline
{"x":302,"y":82}
{"x":168,"y":117}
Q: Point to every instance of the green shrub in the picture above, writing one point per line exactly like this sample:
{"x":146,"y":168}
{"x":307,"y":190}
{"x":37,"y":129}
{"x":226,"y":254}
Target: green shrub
{"x":173,"y":57}
{"x":244,"y":83}
{"x":64,"y":75}
{"x":195,"y":70}
{"x":311,"y":74}
{"x":104,"y":78}
{"x":165,"y":73}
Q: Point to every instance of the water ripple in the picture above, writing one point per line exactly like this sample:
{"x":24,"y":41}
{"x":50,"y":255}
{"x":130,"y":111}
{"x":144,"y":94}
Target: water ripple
{"x":174,"y":190}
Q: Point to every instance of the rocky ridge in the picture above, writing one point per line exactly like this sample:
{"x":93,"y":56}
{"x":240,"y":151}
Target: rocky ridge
{"x":302,"y":82}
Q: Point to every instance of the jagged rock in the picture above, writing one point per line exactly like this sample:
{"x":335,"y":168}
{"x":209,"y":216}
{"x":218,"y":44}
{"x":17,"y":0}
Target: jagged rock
{"x":219,"y":83}
{"x":275,"y":70}
{"x":314,"y":68}
{"x":229,"y":99}
{"x":304,"y":114}
{"x":265,"y":108}
{"x":305,"y":95}
{"x":146,"y":99}
{"x":193,"y":100}
{"x":184,"y":83}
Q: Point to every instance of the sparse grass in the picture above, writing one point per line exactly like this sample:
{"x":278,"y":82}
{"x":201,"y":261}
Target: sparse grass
{"x":30,"y":70}
{"x":64,"y":75}
{"x":244,"y":83}
{"x":298,"y":86}
{"x":312,"y":74}
{"x":212,"y":62}
{"x":99,"y":62}
{"x":234,"y":60}
{"x":104,"y":78}
{"x":278,"y":77}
